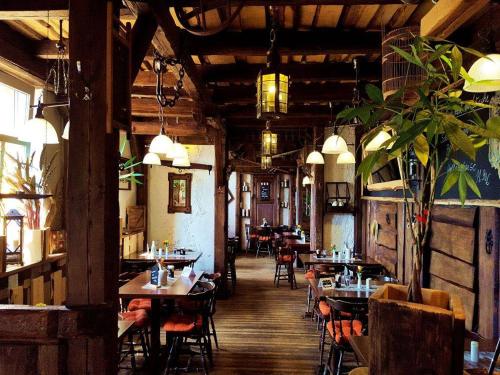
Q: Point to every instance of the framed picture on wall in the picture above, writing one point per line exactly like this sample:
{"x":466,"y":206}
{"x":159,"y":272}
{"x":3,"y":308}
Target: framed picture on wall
{"x":179,"y":193}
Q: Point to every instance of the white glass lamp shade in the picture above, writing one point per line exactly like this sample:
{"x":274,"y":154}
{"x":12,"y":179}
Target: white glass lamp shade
{"x":486,"y":74}
{"x":39,"y":130}
{"x":151,"y":159}
{"x":315,"y":157}
{"x":346,"y":158}
{"x":376,"y":142}
{"x":65,"y":134}
{"x":161,"y":144}
{"x":334,"y":144}
{"x":306,"y":181}
{"x":181,"y":162}
{"x":177,"y":151}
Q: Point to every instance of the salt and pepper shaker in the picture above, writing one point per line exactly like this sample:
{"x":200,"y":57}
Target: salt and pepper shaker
{"x":474,"y":351}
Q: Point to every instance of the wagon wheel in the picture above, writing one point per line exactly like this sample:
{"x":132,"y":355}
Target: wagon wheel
{"x":193,"y":19}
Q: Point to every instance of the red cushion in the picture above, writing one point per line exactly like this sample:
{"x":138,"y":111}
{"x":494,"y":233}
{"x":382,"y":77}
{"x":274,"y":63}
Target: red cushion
{"x":264,"y":238}
{"x":139,"y":317}
{"x":139,"y":303}
{"x":357,"y":327}
{"x":324,"y":308}
{"x":310,"y":275}
{"x":285,"y":258}
{"x":182,"y":323}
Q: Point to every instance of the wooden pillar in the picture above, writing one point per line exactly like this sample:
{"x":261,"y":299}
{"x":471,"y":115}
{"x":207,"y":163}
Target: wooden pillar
{"x":220,"y":222}
{"x":291,"y":200}
{"x":358,"y":184}
{"x":237,"y":210}
{"x":298,"y":197}
{"x":92,"y":212}
{"x":317,"y":205}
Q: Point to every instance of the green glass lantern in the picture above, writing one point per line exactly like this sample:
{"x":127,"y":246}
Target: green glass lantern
{"x":269,"y":141}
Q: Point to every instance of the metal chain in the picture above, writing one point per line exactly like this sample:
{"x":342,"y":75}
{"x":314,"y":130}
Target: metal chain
{"x":160,"y":64}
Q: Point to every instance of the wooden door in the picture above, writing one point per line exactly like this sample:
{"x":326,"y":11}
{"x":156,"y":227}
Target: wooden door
{"x":265,"y":201}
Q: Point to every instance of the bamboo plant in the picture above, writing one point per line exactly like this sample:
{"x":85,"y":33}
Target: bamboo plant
{"x":427,"y":135}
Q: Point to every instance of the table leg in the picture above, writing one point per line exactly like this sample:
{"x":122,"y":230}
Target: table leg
{"x":155,"y":336}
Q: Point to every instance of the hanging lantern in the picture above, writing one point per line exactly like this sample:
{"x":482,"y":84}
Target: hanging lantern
{"x":266,"y":161}
{"x":13,"y":229}
{"x":272,"y":85}
{"x":269,"y":141}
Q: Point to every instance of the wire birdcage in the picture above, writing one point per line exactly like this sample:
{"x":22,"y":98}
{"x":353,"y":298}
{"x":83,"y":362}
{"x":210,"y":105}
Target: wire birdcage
{"x":397,"y":72}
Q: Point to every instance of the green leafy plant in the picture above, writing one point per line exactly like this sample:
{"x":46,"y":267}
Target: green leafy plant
{"x":24,"y":180}
{"x":127,"y":168}
{"x":427,"y":134}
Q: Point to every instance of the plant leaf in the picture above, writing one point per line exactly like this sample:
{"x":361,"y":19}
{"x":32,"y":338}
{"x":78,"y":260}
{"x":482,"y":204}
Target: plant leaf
{"x":408,"y":136}
{"x":407,"y":56}
{"x":450,"y":180}
{"x":456,"y":62}
{"x":462,"y":187}
{"x":459,"y":140}
{"x":374,"y":93}
{"x":471,"y":183}
{"x":421,"y":149}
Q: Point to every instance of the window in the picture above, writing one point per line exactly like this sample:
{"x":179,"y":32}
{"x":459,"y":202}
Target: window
{"x":14,"y":107}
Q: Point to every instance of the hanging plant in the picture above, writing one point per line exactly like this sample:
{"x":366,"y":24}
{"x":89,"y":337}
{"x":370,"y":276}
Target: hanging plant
{"x":126,"y":169}
{"x":427,"y":135}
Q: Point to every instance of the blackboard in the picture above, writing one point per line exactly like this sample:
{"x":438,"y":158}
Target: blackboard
{"x":265,"y":191}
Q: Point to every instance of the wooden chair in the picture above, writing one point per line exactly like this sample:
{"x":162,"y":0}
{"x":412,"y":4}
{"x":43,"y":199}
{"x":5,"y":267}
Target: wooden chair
{"x":264,"y":240}
{"x":232,"y":247}
{"x":346,"y":319}
{"x":251,"y":236}
{"x":285,"y":258}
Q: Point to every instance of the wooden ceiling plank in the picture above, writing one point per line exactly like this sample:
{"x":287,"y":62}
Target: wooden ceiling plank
{"x":255,"y":42}
{"x":142,"y":35}
{"x":402,"y":15}
{"x":448,"y":15}
{"x":33,"y":9}
{"x":183,"y":128}
{"x":213,"y":3}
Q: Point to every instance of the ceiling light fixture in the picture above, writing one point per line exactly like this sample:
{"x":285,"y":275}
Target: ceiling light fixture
{"x":151,"y":159}
{"x":346,"y":158}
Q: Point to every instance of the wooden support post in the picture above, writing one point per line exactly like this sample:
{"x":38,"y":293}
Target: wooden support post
{"x":358,"y":184}
{"x":317,"y":204}
{"x":92,"y":212}
{"x":291,"y":193}
{"x":237,"y":209}
{"x":220,"y":220}
{"x":298,"y":199}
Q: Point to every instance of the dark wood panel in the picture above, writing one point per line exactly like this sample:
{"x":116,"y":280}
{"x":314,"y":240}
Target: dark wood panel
{"x":467,"y":297}
{"x":454,"y":215}
{"x":454,"y":240}
{"x":451,"y":269}
{"x":387,"y":238}
{"x":388,"y":258}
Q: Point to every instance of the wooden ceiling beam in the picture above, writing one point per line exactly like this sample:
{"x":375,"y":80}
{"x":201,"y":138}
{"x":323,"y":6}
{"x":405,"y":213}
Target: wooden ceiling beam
{"x":214,"y":3}
{"x":284,"y":124}
{"x":17,"y":50}
{"x":448,"y":15}
{"x":290,"y":42}
{"x":142,"y":34}
{"x":33,"y":9}
{"x":148,"y":107}
{"x":298,"y":93}
{"x":184,"y":128}
{"x":315,"y":72}
{"x":306,"y":112}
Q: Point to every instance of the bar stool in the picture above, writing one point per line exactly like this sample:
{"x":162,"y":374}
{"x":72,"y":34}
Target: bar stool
{"x":285,"y":258}
{"x":140,"y":327}
{"x":264,"y":240}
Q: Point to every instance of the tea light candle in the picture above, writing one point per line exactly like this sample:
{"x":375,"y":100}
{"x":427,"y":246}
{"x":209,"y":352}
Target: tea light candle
{"x":474,"y":351}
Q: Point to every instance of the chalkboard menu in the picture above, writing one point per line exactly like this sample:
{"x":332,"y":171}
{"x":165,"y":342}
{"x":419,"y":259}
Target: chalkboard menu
{"x":265,"y":191}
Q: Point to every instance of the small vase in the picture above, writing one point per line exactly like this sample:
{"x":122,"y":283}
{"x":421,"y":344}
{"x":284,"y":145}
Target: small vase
{"x":360,"y":282}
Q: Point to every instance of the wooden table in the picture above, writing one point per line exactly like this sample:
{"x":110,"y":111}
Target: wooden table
{"x":134,"y":289}
{"x":190,"y":257}
{"x":298,"y":245}
{"x":361,"y":346}
{"x":311,"y":260}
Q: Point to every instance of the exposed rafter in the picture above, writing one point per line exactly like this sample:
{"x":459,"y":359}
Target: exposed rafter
{"x":255,"y":43}
{"x":183,"y":128}
{"x":211,"y":4}
{"x":16,"y":9}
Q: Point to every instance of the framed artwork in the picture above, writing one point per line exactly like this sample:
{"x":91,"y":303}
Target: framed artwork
{"x":179,"y":193}
{"x":124,"y":184}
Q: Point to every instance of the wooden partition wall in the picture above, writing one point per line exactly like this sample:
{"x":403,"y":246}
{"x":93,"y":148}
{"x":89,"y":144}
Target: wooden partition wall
{"x":462,"y":258}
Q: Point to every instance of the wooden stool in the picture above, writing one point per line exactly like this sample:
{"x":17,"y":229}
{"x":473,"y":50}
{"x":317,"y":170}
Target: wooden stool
{"x":359,"y":371}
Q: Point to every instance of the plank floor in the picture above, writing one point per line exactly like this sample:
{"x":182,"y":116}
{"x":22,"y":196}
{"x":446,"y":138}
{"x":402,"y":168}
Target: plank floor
{"x":261,"y":328}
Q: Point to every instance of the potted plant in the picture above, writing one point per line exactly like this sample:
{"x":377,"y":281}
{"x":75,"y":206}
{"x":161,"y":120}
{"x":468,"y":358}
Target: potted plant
{"x":26,"y":179}
{"x":426,"y":134}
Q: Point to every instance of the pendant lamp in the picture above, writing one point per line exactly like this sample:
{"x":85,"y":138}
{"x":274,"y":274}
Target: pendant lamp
{"x":485,"y":73}
{"x":346,"y":158}
{"x":65,"y":134}
{"x":315,"y":157}
{"x":377,"y":142}
{"x":177,"y":151}
{"x":151,"y":159}
{"x":181,"y":162}
{"x":334,"y":144}
{"x":38,"y":129}
{"x":161,"y":144}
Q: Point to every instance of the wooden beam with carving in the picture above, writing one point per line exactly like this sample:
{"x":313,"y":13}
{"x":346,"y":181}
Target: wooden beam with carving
{"x":448,"y":15}
{"x":314,"y":72}
{"x":256,"y":43}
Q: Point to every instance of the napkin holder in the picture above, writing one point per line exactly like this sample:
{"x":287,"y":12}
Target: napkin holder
{"x":188,"y":272}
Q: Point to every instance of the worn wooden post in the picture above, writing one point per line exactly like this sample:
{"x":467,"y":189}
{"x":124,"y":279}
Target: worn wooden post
{"x":317,"y":207}
{"x":92,"y":191}
{"x":220,"y":219}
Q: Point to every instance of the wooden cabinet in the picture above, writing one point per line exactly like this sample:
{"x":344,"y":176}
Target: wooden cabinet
{"x":132,"y":243}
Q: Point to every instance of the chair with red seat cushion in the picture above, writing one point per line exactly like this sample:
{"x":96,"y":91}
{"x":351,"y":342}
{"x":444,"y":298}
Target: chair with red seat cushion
{"x":139,"y":304}
{"x":141,"y":323}
{"x":346,"y":319}
{"x":285,"y":257}
{"x":191,"y":328}
{"x":264,"y":240}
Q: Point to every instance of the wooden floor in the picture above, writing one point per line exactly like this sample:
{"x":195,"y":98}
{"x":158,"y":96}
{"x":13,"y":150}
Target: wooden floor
{"x":261,"y":328}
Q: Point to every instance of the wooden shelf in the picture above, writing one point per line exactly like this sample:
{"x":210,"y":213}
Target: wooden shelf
{"x":24,"y":196}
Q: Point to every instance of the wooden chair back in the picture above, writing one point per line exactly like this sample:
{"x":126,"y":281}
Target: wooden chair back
{"x":345,"y":311}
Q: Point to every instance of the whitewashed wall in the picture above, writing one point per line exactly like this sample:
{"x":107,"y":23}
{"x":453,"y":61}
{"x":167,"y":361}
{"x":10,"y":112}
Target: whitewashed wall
{"x":196,"y":230}
{"x":231,"y":207}
{"x":246,"y":200}
{"x":285,"y":197}
{"x":338,"y":228}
